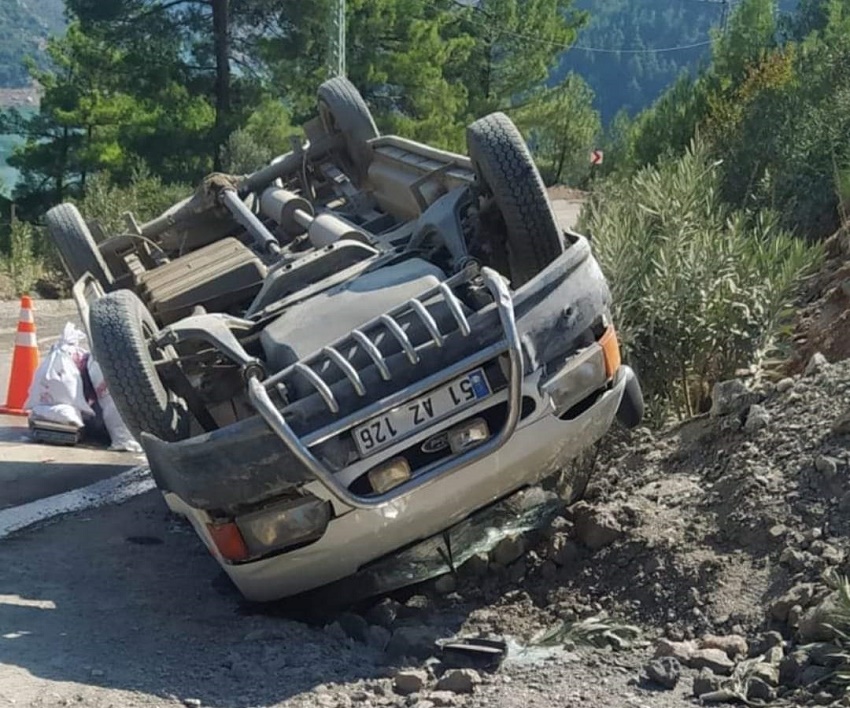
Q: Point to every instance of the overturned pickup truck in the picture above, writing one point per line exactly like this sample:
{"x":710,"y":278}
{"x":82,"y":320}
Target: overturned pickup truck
{"x":360,"y":348}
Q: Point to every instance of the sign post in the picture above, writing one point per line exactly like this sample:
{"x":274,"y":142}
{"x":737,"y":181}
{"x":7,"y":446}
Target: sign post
{"x":596,"y":157}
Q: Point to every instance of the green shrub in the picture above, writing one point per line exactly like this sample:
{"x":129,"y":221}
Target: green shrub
{"x":699,"y":290}
{"x":22,"y":266}
{"x":265,"y":135}
{"x":145,"y":196}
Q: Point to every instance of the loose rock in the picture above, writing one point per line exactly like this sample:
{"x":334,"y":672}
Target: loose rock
{"x":475,"y":567}
{"x":706,"y":682}
{"x":410,"y":681}
{"x":442,"y":699}
{"x":814,"y":625}
{"x":459,"y":681}
{"x":759,"y":690}
{"x":729,"y":397}
{"x":565,"y":551}
{"x":826,"y":465}
{"x":816,"y":364}
{"x":508,"y":550}
{"x":681,"y":651}
{"x":798,"y":595}
{"x":595,"y":528}
{"x":416,"y":642}
{"x":445,"y":584}
{"x":791,"y":668}
{"x":664,"y":671}
{"x":757,"y":419}
{"x":379,"y":637}
{"x":769,"y":673}
{"x":712,"y":659}
{"x":733,"y":645}
{"x":794,"y":559}
{"x":384,"y":613}
{"x":784,"y":385}
{"x":354,"y":626}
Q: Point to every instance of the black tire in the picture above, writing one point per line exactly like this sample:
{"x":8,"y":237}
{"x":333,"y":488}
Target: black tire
{"x":506,"y":171}
{"x":121,"y":328}
{"x":77,"y":249}
{"x":343,"y":110}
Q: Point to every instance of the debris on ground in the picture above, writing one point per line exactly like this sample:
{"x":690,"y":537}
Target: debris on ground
{"x":702,"y":553}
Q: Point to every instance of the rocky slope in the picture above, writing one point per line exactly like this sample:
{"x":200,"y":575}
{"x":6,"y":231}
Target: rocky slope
{"x":701,"y":563}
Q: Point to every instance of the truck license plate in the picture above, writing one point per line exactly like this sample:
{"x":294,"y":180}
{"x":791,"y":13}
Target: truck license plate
{"x":383,"y":430}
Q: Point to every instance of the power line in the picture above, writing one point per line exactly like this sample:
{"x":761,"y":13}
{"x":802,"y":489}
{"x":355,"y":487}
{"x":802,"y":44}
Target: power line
{"x":600,"y":50}
{"x":658,"y":50}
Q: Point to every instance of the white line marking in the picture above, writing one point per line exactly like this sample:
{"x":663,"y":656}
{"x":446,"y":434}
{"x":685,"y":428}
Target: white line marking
{"x":113,"y":490}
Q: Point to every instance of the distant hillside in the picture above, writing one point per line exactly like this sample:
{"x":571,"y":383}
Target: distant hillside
{"x":24,"y":28}
{"x":662,"y":38}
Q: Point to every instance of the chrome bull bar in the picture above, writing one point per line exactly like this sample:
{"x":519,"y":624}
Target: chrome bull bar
{"x":510,"y":345}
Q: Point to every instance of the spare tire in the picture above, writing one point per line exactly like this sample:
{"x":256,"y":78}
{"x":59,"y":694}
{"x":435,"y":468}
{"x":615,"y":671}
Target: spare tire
{"x":121,"y":332}
{"x":506,"y":172}
{"x":77,"y":249}
{"x":342,"y":110}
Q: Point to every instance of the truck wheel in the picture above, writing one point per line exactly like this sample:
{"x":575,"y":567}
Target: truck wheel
{"x":343,"y":111}
{"x":121,"y":331}
{"x":77,"y":249}
{"x":506,"y":172}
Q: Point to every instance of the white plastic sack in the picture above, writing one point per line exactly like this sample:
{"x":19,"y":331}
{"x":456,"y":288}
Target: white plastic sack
{"x":56,"y":393}
{"x":120,"y":436}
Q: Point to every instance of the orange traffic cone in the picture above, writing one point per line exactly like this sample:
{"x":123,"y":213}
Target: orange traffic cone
{"x":24,"y":362}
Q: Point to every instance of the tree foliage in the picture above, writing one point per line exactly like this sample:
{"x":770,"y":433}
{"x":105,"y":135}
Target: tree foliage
{"x":23,"y":25}
{"x":426,"y":67}
{"x":98,"y":113}
{"x":561,"y":126}
{"x":774,"y":108}
{"x":187,"y":86}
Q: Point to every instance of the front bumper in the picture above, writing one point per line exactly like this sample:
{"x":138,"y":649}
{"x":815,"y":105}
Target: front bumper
{"x":353,"y":540}
{"x":507,"y":346}
{"x":525,"y":336}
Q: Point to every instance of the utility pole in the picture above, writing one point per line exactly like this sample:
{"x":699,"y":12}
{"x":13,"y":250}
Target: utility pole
{"x":336,"y":39}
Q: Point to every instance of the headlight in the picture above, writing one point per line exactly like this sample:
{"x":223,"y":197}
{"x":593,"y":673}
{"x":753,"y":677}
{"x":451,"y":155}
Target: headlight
{"x":580,"y":376}
{"x":289,"y":523}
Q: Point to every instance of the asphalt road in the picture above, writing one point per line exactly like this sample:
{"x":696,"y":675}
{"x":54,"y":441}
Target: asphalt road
{"x":29,"y":472}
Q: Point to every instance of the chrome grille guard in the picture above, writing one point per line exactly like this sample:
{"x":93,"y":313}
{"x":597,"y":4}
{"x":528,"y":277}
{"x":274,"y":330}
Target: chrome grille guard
{"x":259,"y":390}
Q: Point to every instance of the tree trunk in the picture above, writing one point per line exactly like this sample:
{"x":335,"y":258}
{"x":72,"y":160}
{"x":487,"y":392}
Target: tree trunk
{"x":221,"y":38}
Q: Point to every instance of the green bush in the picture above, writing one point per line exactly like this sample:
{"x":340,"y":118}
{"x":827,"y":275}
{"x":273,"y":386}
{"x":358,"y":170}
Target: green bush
{"x":264,"y":136}
{"x":145,"y":196}
{"x":21,"y":265}
{"x":699,"y":290}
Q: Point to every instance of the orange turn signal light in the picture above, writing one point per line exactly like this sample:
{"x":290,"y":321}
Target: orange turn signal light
{"x":228,"y":540}
{"x":610,"y":351}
